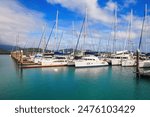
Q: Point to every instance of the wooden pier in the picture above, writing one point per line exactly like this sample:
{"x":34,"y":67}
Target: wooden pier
{"x":22,"y":63}
{"x":17,"y":56}
{"x":25,"y":64}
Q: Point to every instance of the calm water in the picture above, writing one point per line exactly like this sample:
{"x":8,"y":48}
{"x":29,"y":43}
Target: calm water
{"x":70,"y":83}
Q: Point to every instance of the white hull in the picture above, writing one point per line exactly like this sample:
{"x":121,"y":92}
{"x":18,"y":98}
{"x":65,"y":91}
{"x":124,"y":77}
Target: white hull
{"x":144,"y":63}
{"x":71,"y":63}
{"x":115,"y":62}
{"x":90,"y":63}
{"x":54,"y":62}
{"x":37,"y":60}
{"x":128,"y":63}
{"x":31,"y":58}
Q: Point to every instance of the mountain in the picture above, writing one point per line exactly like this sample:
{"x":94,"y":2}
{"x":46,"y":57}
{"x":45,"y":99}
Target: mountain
{"x":6,"y":47}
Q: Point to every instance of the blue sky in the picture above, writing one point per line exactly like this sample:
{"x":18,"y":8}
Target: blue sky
{"x":50,"y":9}
{"x":27,"y":17}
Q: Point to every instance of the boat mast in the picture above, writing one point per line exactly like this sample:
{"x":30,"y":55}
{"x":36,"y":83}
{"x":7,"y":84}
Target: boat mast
{"x":73,"y":35}
{"x":79,"y":36}
{"x":146,"y":41}
{"x":139,"y":47}
{"x":44,"y":30}
{"x":56,"y":30}
{"x":50,"y":36}
{"x":108,"y":46}
{"x":60,"y":41}
{"x":141,"y":36}
{"x":99,"y":46}
{"x":44,"y":44}
{"x":129,"y":30}
{"x":85,"y":28}
{"x":115,"y":29}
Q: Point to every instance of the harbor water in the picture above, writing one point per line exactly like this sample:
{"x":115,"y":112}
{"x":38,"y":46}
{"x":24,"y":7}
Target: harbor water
{"x":69,"y":83}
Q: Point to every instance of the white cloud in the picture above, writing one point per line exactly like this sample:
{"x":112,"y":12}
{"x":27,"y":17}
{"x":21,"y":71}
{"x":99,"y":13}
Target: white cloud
{"x":110,"y":5}
{"x":127,"y":3}
{"x":14,"y":19}
{"x":125,"y":35}
{"x":94,"y":10}
{"x":104,"y":15}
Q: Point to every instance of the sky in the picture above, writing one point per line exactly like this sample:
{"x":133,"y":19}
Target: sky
{"x":23,"y":21}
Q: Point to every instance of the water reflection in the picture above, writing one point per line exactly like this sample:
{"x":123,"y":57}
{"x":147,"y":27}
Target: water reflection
{"x":54,"y":69}
{"x":113,"y":82}
{"x":18,"y":69}
{"x":94,"y":72}
{"x":123,"y":72}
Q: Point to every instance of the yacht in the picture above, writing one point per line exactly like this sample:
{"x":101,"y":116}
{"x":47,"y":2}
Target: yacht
{"x":54,"y":61}
{"x":37,"y":58}
{"x":121,"y":58}
{"x":144,"y":63}
{"x":74,"y":57}
{"x":90,"y":61}
{"x":130,"y":61}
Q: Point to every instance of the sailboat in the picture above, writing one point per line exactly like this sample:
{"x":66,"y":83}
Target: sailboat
{"x":115,"y":58}
{"x":130,"y":61}
{"x":124,"y":57}
{"x":38,"y":56}
{"x":54,"y":60}
{"x":143,"y":63}
{"x":90,"y":60}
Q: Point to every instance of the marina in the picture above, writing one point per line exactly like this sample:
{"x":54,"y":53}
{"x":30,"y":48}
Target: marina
{"x":84,"y":62}
{"x":107,"y":82}
{"x":84,"y":57}
{"x":74,"y":50}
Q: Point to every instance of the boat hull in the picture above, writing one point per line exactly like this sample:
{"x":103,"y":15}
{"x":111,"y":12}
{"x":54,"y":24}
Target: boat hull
{"x":144,"y":64}
{"x":54,"y":62}
{"x":115,"y":62}
{"x":80,"y":64}
{"x":128,"y":63}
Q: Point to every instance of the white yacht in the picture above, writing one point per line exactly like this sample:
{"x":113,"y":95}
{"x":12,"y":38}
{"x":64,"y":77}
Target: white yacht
{"x":130,"y":61}
{"x":54,"y":61}
{"x":71,"y":62}
{"x":90,"y":61}
{"x":72,"y":59}
{"x":121,"y":58}
{"x":37,"y":58}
